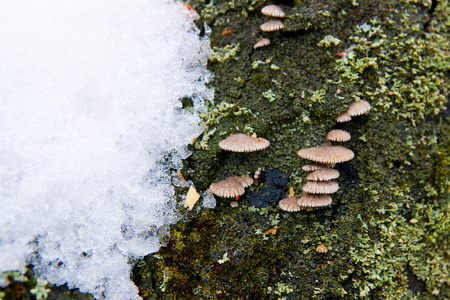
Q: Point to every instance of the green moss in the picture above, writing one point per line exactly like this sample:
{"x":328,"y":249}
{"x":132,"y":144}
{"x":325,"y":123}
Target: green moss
{"x":26,"y":286}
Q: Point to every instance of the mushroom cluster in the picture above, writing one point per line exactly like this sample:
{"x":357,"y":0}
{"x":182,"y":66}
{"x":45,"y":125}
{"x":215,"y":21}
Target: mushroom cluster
{"x":234,"y":186}
{"x":321,"y":173}
{"x":275,"y":24}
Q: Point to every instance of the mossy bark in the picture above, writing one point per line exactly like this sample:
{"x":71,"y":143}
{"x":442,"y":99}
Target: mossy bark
{"x":387,"y":229}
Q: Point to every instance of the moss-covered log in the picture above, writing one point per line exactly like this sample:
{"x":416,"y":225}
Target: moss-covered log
{"x":387,"y":229}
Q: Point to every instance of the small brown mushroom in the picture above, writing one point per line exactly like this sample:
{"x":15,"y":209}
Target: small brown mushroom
{"x":290,"y":204}
{"x":357,"y":108}
{"x":243,"y":180}
{"x":314,"y":200}
{"x":321,"y":187}
{"x":323,"y":175}
{"x":338,"y":135}
{"x":273,"y":10}
{"x":243,"y":143}
{"x":262,"y":43}
{"x":257,"y":176}
{"x":272,"y":25}
{"x":228,"y":188}
{"x":322,"y":248}
{"x":326,"y":153}
{"x":345,"y":117}
{"x":316,"y":166}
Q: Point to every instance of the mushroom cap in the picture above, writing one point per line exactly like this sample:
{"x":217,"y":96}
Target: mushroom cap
{"x":322,"y":248}
{"x":345,"y":117}
{"x":272,"y":25}
{"x":243,"y":143}
{"x":311,"y":200}
{"x":234,"y":204}
{"x":290,"y":204}
{"x":243,"y":180}
{"x":326,"y":153}
{"x":228,"y":188}
{"x":273,"y":10}
{"x":357,"y":108}
{"x":323,"y":174}
{"x":262,"y":43}
{"x":316,"y":166}
{"x":321,"y":187}
{"x":338,"y":135}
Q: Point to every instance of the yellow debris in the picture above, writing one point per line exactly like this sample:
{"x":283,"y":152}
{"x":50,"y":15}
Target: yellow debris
{"x":291,"y":192}
{"x":191,"y":197}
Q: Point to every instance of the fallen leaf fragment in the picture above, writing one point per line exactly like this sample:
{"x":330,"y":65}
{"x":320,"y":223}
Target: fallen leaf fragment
{"x":191,"y":198}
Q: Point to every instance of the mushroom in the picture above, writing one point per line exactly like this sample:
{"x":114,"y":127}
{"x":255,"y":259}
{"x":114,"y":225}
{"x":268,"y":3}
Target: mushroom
{"x":234,"y":204}
{"x":316,"y":166}
{"x":323,"y":175}
{"x":243,"y":143}
{"x":338,"y":135}
{"x":257,"y":176}
{"x":244,"y":181}
{"x":345,"y":117}
{"x":314,"y":200}
{"x":262,"y":43}
{"x":327,"y":154}
{"x":322,"y":248}
{"x":357,"y":108}
{"x":272,"y":25}
{"x":231,"y":187}
{"x":321,"y":187}
{"x":290,"y":204}
{"x":273,"y":10}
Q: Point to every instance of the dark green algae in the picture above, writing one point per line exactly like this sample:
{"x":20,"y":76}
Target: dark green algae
{"x":387,"y":230}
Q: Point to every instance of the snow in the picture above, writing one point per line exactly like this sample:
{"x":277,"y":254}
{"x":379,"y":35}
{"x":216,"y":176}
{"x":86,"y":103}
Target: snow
{"x":90,"y":126}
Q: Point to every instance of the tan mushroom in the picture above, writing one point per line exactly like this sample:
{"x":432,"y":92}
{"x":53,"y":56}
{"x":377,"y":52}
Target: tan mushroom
{"x":345,"y":117}
{"x":262,"y":43}
{"x":272,"y":25}
{"x":338,"y":135}
{"x":323,"y":175}
{"x":316,"y":166}
{"x":273,"y":10}
{"x":228,"y":188}
{"x":257,"y":176}
{"x":231,"y":187}
{"x":322,"y":248}
{"x":243,"y":180}
{"x":314,"y":200}
{"x":321,"y":187}
{"x":290,"y":204}
{"x":327,"y":154}
{"x":357,"y":108}
{"x":243,"y":143}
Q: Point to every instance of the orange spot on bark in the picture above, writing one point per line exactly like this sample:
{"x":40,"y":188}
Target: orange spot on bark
{"x":226,"y":31}
{"x":273,"y":229}
{"x":340,"y":54}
